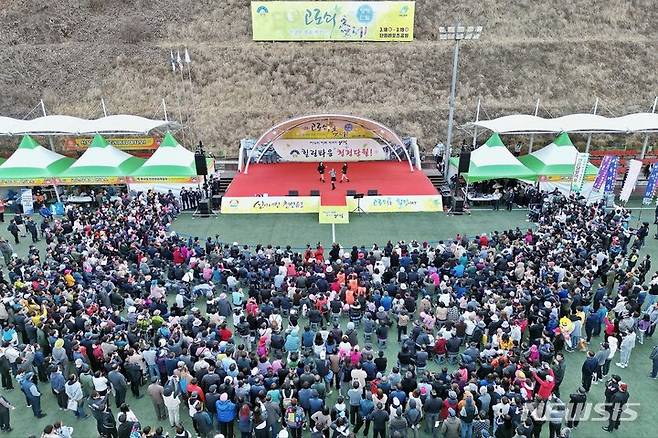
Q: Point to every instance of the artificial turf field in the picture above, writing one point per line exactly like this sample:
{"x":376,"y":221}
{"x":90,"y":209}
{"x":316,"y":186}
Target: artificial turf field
{"x":297,"y":230}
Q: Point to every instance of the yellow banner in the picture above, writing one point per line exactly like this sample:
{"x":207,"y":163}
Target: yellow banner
{"x":327,"y":129}
{"x":333,"y":20}
{"x":334,"y":214}
{"x":91,"y":180}
{"x":124,"y":143}
{"x":398,"y":204}
{"x":162,"y":179}
{"x":271,"y":204}
{"x":25,"y":182}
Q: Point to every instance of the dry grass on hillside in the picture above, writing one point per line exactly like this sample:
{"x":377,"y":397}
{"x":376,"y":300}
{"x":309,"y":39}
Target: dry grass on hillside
{"x":73,"y":52}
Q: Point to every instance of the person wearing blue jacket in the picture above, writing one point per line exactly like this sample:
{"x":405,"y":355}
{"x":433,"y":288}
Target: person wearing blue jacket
{"x":225,"y":414}
{"x":292,"y":342}
{"x":57,"y":382}
{"x":366,"y":406}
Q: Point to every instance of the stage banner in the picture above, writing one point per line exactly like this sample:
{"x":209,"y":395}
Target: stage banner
{"x":271,"y":204}
{"x":345,"y":149}
{"x":603,"y":172}
{"x":334,"y":214}
{"x":25,"y":182}
{"x":634,"y":168}
{"x":27,"y":201}
{"x":163,"y":179}
{"x":330,"y":128}
{"x":332,"y":20}
{"x":579,"y":172}
{"x":80,"y":144}
{"x":611,"y":177}
{"x":398,"y":204}
{"x":651,"y":185}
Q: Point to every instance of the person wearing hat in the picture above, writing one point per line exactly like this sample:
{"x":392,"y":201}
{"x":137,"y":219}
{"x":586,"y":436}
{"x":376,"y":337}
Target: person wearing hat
{"x":617,"y":405}
{"x":451,"y":426}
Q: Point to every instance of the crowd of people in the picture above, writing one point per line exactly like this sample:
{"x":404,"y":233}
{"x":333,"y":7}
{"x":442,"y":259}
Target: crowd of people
{"x":255,"y":340}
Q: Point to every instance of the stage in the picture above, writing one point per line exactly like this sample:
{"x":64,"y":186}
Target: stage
{"x":387,"y":186}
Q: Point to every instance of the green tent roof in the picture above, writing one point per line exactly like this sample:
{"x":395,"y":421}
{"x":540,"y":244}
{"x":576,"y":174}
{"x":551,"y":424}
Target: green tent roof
{"x":101,"y":159}
{"x":31,"y":160}
{"x":170,"y":159}
{"x":555,"y":159}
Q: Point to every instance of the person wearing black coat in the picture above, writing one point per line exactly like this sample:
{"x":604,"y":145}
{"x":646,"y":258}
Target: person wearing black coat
{"x":616,"y":405}
{"x":134,"y":375}
{"x":576,"y":406}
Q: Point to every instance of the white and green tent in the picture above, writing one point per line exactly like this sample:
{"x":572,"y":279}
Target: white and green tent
{"x":31,"y":162}
{"x":102,"y":160}
{"x":556,"y":159}
{"x":493,"y":160}
{"x":169,"y":160}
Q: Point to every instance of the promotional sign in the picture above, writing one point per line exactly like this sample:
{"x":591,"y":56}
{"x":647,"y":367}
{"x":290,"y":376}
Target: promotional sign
{"x":579,"y":172}
{"x":162,"y":179}
{"x":634,"y":168}
{"x":332,"y":20}
{"x":27,"y":201}
{"x":346,"y":149}
{"x":334,"y":214}
{"x":330,"y":128}
{"x":651,"y":185}
{"x":611,"y":177}
{"x":398,"y":204}
{"x":91,"y":180}
{"x":25,"y":182}
{"x":123,"y":143}
{"x":603,"y":173}
{"x":271,"y":204}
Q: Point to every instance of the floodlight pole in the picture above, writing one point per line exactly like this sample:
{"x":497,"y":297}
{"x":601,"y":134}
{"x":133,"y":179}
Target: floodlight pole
{"x":532,"y":136}
{"x":477,"y":119}
{"x":646,"y":136}
{"x":451,"y":112}
{"x":589,"y":137}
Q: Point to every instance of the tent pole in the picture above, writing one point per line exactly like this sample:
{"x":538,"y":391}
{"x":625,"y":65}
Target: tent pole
{"x":477,"y":119}
{"x":532,"y":136}
{"x":50,"y":138}
{"x":589,"y":137}
{"x":646,"y":136}
{"x":56,"y":193}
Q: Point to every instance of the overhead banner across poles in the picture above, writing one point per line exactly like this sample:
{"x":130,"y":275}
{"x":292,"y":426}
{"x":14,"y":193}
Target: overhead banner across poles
{"x":332,"y":20}
{"x":344,"y":149}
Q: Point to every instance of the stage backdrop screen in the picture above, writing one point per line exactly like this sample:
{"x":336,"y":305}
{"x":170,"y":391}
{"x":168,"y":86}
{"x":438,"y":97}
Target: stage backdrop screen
{"x":332,"y":20}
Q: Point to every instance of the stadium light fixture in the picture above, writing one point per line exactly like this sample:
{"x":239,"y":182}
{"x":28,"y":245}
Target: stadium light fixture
{"x":455,"y":33}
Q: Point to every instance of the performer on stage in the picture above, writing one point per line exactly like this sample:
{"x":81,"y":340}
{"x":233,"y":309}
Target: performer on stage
{"x":343,"y":176}
{"x":332,"y":174}
{"x":321,"y":170}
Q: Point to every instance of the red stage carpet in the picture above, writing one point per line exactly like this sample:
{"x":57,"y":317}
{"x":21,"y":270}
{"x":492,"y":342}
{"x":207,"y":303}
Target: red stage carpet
{"x":389,"y":178}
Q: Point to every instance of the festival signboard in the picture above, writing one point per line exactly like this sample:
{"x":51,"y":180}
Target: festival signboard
{"x":334,"y":214}
{"x":332,"y":20}
{"x":80,"y":144}
{"x":345,"y":149}
{"x":271,"y":204}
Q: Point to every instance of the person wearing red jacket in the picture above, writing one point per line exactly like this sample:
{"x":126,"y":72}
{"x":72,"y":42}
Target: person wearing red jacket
{"x":545,"y":386}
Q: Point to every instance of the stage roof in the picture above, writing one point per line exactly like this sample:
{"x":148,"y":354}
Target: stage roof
{"x":68,"y":125}
{"x":585,"y":123}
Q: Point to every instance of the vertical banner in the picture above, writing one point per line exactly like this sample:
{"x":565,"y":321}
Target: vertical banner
{"x":27,"y":201}
{"x":634,"y":168}
{"x":603,"y":172}
{"x":651,"y":185}
{"x":611,"y":177}
{"x":579,"y":172}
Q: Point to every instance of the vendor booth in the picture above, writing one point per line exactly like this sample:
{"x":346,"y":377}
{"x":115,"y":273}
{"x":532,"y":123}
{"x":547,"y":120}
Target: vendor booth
{"x":100,"y":164}
{"x":171,"y":167}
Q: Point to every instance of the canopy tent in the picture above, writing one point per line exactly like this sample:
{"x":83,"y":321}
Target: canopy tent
{"x":67,"y":125}
{"x":101,"y":163}
{"x":493,"y":160}
{"x":556,"y":159}
{"x":585,"y":123}
{"x":31,"y":164}
{"x":169,"y":160}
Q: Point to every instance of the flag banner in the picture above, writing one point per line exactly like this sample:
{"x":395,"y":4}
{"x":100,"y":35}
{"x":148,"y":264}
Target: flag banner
{"x":579,"y":172}
{"x":603,"y":172}
{"x":611,"y":177}
{"x":187,"y":56}
{"x":173,"y":61}
{"x":651,"y":185}
{"x":634,"y":168}
{"x":332,"y":20}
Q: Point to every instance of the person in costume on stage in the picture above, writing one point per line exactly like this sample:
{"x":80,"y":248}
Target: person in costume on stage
{"x":343,"y":171}
{"x":321,"y":169}
{"x":332,"y":175}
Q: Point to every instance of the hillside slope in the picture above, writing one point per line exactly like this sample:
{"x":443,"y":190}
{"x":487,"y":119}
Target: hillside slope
{"x":73,"y":52}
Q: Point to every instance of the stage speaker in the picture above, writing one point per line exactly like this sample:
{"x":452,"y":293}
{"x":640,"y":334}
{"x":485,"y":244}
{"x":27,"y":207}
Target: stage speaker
{"x":216,"y":202}
{"x":293,"y":193}
{"x":458,"y":206}
{"x":204,"y":207}
{"x":315,"y":192}
{"x":351,"y":192}
{"x":200,"y":164}
{"x":464,"y":162}
{"x":372,"y":192}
